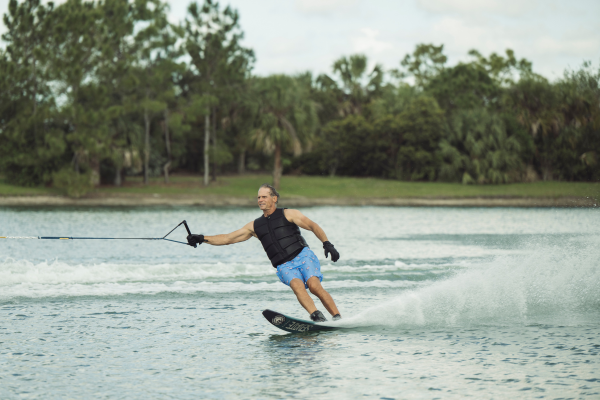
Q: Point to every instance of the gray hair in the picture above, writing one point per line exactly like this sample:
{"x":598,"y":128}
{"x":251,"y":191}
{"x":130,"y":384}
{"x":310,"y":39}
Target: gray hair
{"x":273,"y":191}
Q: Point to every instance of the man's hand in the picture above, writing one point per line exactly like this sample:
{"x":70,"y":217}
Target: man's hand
{"x":193,"y":240}
{"x":330,"y":249}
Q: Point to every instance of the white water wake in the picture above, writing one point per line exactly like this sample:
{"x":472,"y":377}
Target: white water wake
{"x":22,"y":278}
{"x":557,"y":282}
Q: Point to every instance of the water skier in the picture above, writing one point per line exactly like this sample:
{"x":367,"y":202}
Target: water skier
{"x":297,"y":266}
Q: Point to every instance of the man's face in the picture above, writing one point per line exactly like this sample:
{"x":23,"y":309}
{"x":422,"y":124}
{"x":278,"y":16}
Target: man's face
{"x":265,"y":200}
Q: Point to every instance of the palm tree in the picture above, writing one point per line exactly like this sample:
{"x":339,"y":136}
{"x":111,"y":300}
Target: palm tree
{"x":286,"y":117}
{"x":480,"y":147}
{"x":358,"y":85}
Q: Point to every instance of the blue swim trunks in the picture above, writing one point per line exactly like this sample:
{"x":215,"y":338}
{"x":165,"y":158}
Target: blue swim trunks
{"x":304,"y":266}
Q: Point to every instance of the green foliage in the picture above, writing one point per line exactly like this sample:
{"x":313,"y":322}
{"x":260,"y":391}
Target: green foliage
{"x":72,"y":183}
{"x":31,"y":149}
{"x":358,"y":87}
{"x":286,"y":114}
{"x":330,"y":98}
{"x":425,"y":63}
{"x":286,"y":117}
{"x":563,"y":120}
{"x":219,"y":70}
{"x":421,"y":126}
{"x":501,"y":69}
{"x":481,"y":148}
{"x":213,"y":43}
{"x":222,"y":154}
{"x":31,"y":141}
{"x":103,"y":90}
{"x":392,"y":101}
{"x":345,"y":146}
{"x":464,"y":86}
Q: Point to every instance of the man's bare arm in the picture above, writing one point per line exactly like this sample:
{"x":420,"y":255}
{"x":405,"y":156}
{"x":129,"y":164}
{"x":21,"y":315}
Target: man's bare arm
{"x":234,"y":237}
{"x":296,"y":217}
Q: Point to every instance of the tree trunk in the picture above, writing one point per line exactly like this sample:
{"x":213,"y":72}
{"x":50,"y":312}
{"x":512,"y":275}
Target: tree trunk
{"x":168,"y":146}
{"x":146,"y":146}
{"x":118,"y":180}
{"x":332,"y":170}
{"x":242,"y":162}
{"x":547,"y":173}
{"x":214,"y":138}
{"x":206,"y":145}
{"x":34,"y":89}
{"x":166,"y":171}
{"x":277,"y":168}
{"x":95,"y":167}
{"x":76,"y":161}
{"x":333,"y":164}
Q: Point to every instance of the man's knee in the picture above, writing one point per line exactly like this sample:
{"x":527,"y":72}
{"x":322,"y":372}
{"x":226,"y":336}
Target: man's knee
{"x":297,"y":285}
{"x":314,"y":285}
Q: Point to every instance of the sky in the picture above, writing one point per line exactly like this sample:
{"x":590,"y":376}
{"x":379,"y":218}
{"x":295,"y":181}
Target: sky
{"x":293,"y":36}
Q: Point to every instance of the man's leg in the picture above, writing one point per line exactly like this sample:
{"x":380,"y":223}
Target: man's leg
{"x":305,"y":300}
{"x":314,"y":285}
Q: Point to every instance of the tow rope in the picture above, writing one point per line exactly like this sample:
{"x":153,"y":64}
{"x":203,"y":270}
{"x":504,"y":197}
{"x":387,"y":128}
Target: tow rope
{"x":107,"y":238}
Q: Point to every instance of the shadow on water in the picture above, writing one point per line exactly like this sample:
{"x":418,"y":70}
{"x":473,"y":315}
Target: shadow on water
{"x":292,"y":340}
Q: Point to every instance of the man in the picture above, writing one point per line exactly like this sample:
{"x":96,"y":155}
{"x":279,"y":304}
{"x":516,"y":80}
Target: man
{"x":297,"y":266}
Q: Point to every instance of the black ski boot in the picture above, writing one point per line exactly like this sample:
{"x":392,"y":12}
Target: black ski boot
{"x":318,"y":316}
{"x":336,"y":317}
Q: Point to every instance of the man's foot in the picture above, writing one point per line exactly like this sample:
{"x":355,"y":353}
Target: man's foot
{"x":318,"y":316}
{"x":336,"y":317}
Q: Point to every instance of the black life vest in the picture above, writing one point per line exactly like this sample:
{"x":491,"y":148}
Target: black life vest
{"x":280,"y":238}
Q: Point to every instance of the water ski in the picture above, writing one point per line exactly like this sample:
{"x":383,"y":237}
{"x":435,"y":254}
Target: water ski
{"x":294,"y":325}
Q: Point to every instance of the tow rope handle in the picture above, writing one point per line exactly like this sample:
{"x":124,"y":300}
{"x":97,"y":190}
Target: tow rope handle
{"x":188,"y":231}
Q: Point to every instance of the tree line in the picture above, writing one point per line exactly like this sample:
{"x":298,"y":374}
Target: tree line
{"x":94,"y":91}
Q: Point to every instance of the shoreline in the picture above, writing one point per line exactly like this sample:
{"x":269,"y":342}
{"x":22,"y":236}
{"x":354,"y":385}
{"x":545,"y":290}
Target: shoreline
{"x":134,"y":200}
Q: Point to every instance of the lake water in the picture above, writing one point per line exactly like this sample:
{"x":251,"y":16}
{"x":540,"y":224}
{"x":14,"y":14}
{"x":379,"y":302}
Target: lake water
{"x":444,"y":303}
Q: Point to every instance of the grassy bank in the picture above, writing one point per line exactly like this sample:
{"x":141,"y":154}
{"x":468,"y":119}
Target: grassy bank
{"x":324,"y":187}
{"x":12,"y":190}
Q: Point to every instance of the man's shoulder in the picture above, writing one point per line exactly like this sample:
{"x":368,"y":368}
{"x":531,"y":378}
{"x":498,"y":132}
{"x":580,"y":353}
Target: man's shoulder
{"x":249,"y":227}
{"x":291,"y":214}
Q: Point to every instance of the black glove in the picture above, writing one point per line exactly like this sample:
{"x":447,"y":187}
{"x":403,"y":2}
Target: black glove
{"x":330,"y":249}
{"x":193,"y":240}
